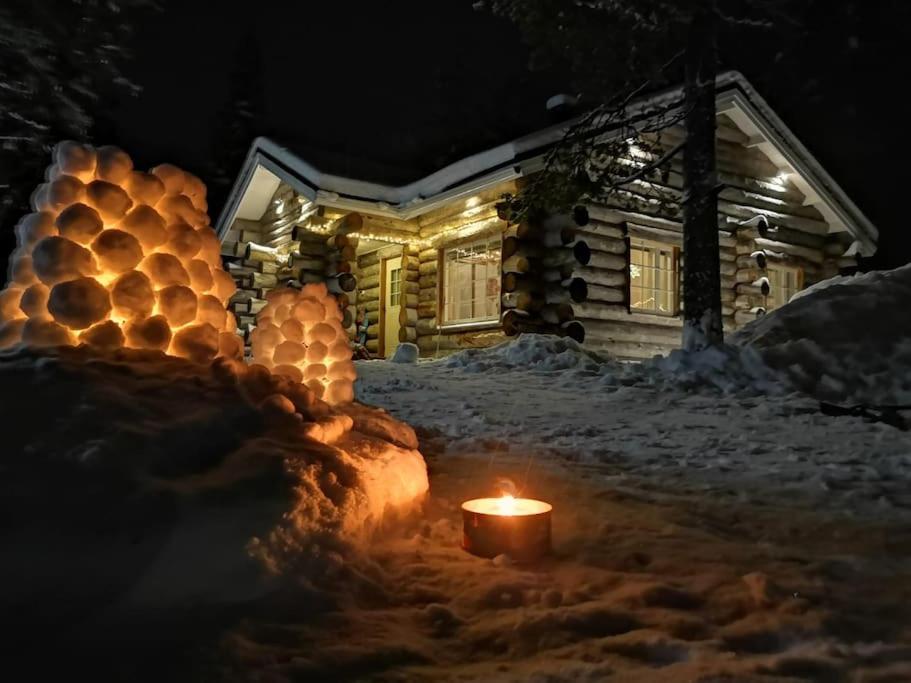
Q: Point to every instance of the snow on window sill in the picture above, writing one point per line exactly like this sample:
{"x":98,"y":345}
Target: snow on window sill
{"x":469,"y":326}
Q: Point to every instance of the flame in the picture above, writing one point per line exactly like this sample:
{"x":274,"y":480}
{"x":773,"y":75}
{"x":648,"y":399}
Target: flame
{"x":507,"y":505}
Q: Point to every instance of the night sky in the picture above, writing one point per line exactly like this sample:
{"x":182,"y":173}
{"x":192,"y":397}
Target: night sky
{"x":392,"y":91}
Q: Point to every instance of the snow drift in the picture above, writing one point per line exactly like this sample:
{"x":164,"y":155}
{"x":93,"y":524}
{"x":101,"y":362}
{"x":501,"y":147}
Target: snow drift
{"x":845,"y":339}
{"x":140,"y":481}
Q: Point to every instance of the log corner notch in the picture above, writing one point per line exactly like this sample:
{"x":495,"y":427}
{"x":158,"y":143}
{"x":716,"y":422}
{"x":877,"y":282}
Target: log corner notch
{"x":538,"y":287}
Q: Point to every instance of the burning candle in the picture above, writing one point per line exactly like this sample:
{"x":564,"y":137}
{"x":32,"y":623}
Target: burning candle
{"x":518,"y":527}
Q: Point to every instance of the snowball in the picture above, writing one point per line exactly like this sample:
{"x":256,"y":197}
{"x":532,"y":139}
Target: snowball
{"x":75,"y":159}
{"x":281,"y":313}
{"x":276,"y":403}
{"x":282,"y":295}
{"x":265,"y":338}
{"x":342,"y":370}
{"x":289,"y":352}
{"x":340,"y":350}
{"x":314,"y":371}
{"x":132,"y":295}
{"x":171,"y":176}
{"x":321,"y":332}
{"x":113,"y":165}
{"x":316,"y":352}
{"x":34,"y":301}
{"x":405,"y":353}
{"x":144,"y":188}
{"x":9,"y":304}
{"x":316,"y":387}
{"x":107,"y":336}
{"x":56,"y":259}
{"x":177,"y":303}
{"x":230,"y":322}
{"x":315,"y":290}
{"x":144,"y":223}
{"x":200,"y":275}
{"x":11,"y":332}
{"x":293,"y":330}
{"x":198,"y":343}
{"x":164,"y":270}
{"x":224,"y":285}
{"x":38,"y":332}
{"x":79,"y":223}
{"x":79,"y":303}
{"x":209,"y":310}
{"x":117,"y":251}
{"x":179,"y":208}
{"x":183,"y":241}
{"x":291,"y":371}
{"x":148,"y":333}
{"x":34,"y":227}
{"x":230,"y":345}
{"x":195,"y":189}
{"x":21,"y":271}
{"x":339,"y":391}
{"x":38,"y":200}
{"x":111,"y":201}
{"x":210,"y":248}
{"x":64,"y":191}
{"x":309,"y":311}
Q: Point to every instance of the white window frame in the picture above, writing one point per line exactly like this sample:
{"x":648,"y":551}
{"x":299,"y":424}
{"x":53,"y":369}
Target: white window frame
{"x":444,"y":292}
{"x":641,"y":244}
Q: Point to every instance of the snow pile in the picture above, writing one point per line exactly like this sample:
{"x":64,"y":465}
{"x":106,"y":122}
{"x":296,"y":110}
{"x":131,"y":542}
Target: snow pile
{"x":142,"y":481}
{"x":543,"y":353}
{"x":847,"y":339}
{"x":113,"y":257}
{"x":406,"y":352}
{"x":299,"y":335}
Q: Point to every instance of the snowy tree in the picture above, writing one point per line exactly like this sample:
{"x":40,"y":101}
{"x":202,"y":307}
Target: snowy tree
{"x":618,"y":51}
{"x":57,"y":61}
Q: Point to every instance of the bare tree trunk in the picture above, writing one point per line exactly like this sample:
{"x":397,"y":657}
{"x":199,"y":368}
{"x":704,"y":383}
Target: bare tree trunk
{"x":701,"y":276}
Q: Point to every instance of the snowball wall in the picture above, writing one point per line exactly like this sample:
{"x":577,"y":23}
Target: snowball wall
{"x":299,"y":334}
{"x":114,"y":257}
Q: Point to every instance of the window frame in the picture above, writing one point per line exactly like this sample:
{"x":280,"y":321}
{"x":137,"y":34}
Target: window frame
{"x":491,"y":321}
{"x":779,"y":267}
{"x":648,"y":243}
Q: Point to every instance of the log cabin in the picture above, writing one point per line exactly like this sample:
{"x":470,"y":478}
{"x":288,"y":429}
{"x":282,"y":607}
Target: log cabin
{"x":435,"y":263}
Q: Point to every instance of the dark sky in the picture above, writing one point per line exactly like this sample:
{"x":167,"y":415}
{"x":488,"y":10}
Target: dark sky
{"x":397,"y":89}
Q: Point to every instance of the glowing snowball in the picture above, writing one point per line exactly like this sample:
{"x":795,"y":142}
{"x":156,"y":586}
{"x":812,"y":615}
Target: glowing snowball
{"x":144,"y":188}
{"x":164,"y":270}
{"x":34,"y":227}
{"x":321,"y":332}
{"x":38,"y":332}
{"x":171,"y":177}
{"x":21,"y":271}
{"x":11,"y":332}
{"x":198,"y":343}
{"x":230,"y":345}
{"x":75,"y":159}
{"x":177,"y":208}
{"x":132,"y":295}
{"x":79,"y":303}
{"x":146,"y":225}
{"x":209,"y":310}
{"x":200,"y":275}
{"x":293,"y":330}
{"x":9,"y":304}
{"x":177,"y":303}
{"x":148,"y":333}
{"x":316,"y":352}
{"x":110,"y":200}
{"x":34,"y":301}
{"x":64,"y":191}
{"x":79,"y":223}
{"x":291,"y":371}
{"x":223,"y":285}
{"x":183,"y":241}
{"x":117,"y":251}
{"x":289,"y":352}
{"x":113,"y":164}
{"x":106,"y":335}
{"x":56,"y":259}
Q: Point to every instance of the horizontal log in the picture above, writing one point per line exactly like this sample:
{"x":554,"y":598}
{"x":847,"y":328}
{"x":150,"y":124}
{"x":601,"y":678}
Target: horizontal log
{"x":743,"y":317}
{"x":556,"y":313}
{"x":607,"y":294}
{"x":369,"y":305}
{"x":373,"y":330}
{"x":579,"y":253}
{"x":812,"y":255}
{"x":343,"y":282}
{"x":754,"y":260}
{"x":607,"y":261}
{"x":257,"y":280}
{"x":369,"y":259}
{"x":373,"y":345}
{"x":427,"y":281}
{"x":429,"y":254}
{"x":748,"y":301}
{"x":314,"y":264}
{"x":599,"y":276}
{"x":427,"y":294}
{"x":437,"y":342}
{"x":261,"y":266}
{"x":369,"y":281}
{"x":428,"y":267}
{"x":336,"y":267}
{"x":612,"y":330}
{"x":258,"y":252}
{"x":365,"y":272}
{"x":348,"y":223}
{"x":608,"y":245}
{"x":427,"y":309}
{"x":368,"y":294}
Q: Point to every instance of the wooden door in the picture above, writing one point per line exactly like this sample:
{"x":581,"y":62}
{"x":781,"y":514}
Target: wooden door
{"x":392,"y":303}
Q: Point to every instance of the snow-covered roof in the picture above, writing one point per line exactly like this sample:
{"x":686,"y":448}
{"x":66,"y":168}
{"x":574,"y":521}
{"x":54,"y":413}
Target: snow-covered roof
{"x":268,"y":163}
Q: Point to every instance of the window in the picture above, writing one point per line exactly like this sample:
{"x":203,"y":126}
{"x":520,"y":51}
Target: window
{"x":395,"y":286}
{"x":784,"y":282}
{"x":471,"y":282}
{"x":653,"y":278}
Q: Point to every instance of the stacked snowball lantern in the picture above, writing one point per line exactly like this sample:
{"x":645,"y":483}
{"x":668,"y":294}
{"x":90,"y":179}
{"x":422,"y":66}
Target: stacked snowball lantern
{"x":299,"y":335}
{"x":117,"y":258}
